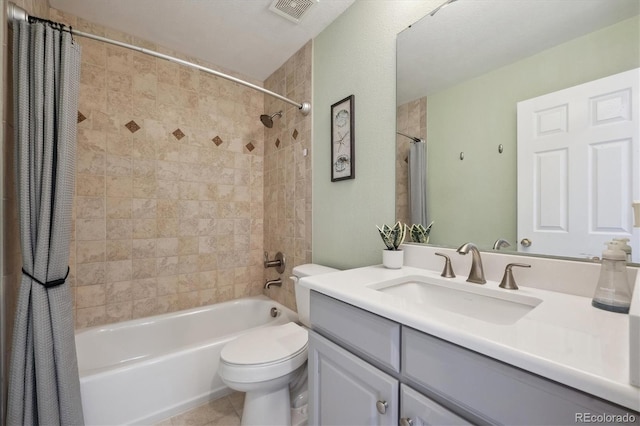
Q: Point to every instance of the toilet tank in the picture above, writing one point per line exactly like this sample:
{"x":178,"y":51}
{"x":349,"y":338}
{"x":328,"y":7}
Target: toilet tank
{"x":303,"y":294}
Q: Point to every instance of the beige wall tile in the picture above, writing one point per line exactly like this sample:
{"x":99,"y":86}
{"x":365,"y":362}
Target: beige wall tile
{"x":119,"y":186}
{"x":90,"y":185}
{"x":116,"y":312}
{"x":118,"y":292}
{"x":118,"y":250}
{"x":166,"y":220}
{"x":144,"y":268}
{"x":90,"y":296}
{"x":286,"y":198}
{"x":90,"y":251}
{"x":144,"y":288}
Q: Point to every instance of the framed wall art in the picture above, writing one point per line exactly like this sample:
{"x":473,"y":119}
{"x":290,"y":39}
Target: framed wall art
{"x":342,"y":140}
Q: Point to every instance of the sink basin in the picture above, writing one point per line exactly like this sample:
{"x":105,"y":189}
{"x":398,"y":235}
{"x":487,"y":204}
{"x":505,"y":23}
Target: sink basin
{"x":475,"y":301}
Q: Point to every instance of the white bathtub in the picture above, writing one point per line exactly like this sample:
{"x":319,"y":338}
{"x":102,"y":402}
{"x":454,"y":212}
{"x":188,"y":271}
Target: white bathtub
{"x":145,"y":370}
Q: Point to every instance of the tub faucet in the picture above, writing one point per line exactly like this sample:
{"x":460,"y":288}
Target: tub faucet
{"x":277,"y":282}
{"x":476,"y":274}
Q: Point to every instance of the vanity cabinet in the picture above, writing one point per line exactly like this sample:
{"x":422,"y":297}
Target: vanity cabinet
{"x":368,"y":370}
{"x":354,"y":371}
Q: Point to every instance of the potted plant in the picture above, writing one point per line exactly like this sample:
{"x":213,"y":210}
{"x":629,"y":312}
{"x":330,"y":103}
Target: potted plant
{"x":420,"y":234}
{"x":392,"y":237}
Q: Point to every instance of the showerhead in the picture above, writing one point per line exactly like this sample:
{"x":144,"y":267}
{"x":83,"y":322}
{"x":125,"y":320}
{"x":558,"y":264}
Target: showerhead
{"x":413,"y":138}
{"x":267,"y":120}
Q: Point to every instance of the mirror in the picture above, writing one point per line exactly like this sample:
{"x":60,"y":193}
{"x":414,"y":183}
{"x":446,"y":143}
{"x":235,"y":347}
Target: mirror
{"x":461,"y":72}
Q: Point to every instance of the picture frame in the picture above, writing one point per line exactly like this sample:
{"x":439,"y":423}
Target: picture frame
{"x":342,"y":140}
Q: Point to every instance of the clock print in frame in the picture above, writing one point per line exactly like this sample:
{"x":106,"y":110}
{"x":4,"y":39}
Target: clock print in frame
{"x":342,"y":140}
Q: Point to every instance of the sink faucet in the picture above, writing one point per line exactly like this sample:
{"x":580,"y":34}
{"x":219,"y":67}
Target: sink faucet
{"x":476,"y":274}
{"x":501,"y":242}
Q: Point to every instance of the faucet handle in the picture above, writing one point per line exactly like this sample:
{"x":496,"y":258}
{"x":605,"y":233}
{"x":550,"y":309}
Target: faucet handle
{"x":508,"y":281}
{"x":447,"y":272}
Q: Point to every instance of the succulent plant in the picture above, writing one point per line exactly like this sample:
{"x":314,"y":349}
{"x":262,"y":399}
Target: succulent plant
{"x":420,"y":234}
{"x":392,"y":236}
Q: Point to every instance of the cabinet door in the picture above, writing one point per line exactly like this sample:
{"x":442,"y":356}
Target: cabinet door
{"x":418,"y":410}
{"x":494,"y":392}
{"x":345,"y":390}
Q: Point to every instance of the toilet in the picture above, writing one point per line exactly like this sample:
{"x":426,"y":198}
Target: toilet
{"x":264,"y":362}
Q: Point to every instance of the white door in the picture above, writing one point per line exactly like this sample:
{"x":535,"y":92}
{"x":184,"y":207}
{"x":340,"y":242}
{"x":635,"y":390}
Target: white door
{"x":578,"y":167}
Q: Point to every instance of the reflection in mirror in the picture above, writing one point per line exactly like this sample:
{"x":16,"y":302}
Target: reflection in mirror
{"x":464,"y":74}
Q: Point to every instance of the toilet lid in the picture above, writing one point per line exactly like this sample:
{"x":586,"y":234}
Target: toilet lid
{"x":266,"y":345}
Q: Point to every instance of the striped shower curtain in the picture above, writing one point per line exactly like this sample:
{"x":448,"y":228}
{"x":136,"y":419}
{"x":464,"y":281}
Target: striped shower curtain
{"x":44,"y":387}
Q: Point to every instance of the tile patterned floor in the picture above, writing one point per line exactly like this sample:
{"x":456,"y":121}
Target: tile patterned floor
{"x":225,"y":411}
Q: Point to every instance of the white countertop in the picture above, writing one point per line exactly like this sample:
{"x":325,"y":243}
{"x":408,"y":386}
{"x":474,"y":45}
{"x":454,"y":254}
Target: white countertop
{"x":564,"y":338}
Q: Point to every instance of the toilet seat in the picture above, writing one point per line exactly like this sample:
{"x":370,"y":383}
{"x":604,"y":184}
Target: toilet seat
{"x":264,"y":354}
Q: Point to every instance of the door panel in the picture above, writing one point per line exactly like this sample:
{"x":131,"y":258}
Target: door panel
{"x":345,"y":390}
{"x":579,"y":167}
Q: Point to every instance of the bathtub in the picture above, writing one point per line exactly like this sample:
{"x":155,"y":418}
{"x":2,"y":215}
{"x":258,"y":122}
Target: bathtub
{"x":142,"y":371}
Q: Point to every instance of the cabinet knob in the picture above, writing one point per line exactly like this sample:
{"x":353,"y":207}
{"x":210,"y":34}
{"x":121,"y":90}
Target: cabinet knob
{"x":406,"y":421}
{"x":382,"y":406}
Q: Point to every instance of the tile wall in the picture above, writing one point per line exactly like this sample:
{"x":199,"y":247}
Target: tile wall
{"x":411,"y":119}
{"x":169,"y":189}
{"x":287,"y":173}
{"x":175,"y":178}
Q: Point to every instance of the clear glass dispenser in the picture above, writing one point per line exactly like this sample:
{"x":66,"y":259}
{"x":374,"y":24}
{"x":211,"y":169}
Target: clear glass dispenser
{"x":613,"y":292}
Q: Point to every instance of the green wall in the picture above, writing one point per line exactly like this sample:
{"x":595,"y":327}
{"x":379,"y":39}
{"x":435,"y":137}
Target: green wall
{"x":356,"y":55}
{"x":475,"y":199}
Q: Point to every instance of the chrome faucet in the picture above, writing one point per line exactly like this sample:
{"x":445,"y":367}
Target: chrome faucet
{"x":277,"y":282}
{"x":476,"y":274}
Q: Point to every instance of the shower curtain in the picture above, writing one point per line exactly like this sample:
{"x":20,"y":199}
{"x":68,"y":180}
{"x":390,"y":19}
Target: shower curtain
{"x":418,"y":183}
{"x":44,"y":387}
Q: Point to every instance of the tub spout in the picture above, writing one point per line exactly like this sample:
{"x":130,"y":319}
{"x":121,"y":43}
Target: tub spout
{"x":277,"y":282}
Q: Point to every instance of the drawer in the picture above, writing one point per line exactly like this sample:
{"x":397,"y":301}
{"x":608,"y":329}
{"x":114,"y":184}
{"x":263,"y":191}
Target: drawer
{"x":374,"y":338}
{"x":490,"y":390}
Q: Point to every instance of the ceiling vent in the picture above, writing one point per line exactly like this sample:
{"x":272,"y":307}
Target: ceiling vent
{"x":293,"y":10}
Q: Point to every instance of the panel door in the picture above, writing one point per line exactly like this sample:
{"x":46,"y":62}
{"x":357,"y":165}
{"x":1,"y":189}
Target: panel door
{"x":345,"y":390}
{"x":578,"y":167}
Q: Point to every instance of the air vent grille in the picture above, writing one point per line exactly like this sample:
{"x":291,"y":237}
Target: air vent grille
{"x":293,"y":10}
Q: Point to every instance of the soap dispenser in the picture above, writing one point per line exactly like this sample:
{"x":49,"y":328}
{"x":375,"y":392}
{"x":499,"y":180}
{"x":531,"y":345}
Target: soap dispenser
{"x":613,"y":292}
{"x":624,"y":245}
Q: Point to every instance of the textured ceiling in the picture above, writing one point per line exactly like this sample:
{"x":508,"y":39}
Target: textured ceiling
{"x":238,"y":35}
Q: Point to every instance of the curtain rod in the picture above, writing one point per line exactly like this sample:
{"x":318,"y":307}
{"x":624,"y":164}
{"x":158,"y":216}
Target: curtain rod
{"x":16,"y":13}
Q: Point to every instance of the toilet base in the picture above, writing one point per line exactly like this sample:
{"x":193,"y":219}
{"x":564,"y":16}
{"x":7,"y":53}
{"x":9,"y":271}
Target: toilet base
{"x":266,"y":408}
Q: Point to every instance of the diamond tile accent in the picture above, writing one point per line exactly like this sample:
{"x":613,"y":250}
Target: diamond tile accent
{"x":277,"y":143}
{"x":178,"y":134}
{"x":295,"y":133}
{"x":132,"y":126}
{"x":81,"y":117}
{"x":217,"y":140}
{"x":250,"y":146}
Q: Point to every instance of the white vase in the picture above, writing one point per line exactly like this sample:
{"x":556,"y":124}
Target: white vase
{"x":392,"y":259}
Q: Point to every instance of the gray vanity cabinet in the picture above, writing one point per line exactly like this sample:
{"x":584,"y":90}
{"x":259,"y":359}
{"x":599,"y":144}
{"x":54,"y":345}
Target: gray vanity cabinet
{"x":368,"y":370}
{"x":489,"y":391}
{"x":354,"y":371}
